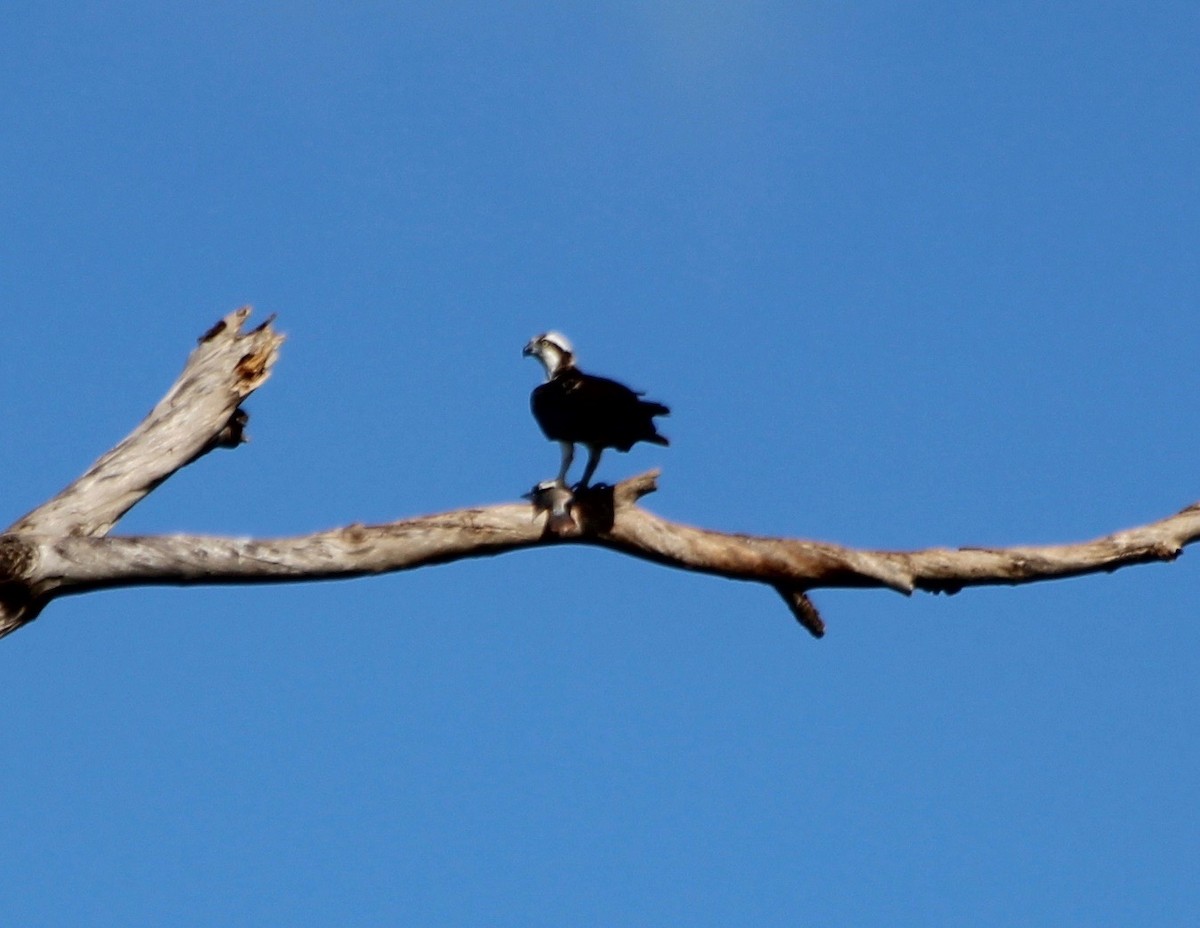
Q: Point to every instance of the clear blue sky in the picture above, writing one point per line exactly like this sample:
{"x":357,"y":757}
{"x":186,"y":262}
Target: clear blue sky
{"x":908,"y":274}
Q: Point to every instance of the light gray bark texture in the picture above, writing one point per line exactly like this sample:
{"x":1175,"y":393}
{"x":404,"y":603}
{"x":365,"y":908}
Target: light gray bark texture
{"x":63,"y":547}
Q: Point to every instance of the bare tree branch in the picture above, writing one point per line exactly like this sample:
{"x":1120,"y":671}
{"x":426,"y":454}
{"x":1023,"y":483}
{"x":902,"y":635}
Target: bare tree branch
{"x":605,"y":517}
{"x":60,"y":548}
{"x":199,"y":413}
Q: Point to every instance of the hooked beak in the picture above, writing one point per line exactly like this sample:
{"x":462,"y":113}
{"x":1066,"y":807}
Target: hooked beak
{"x":528,"y":350}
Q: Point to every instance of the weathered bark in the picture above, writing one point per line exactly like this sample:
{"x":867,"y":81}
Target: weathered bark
{"x":60,"y":548}
{"x":200,"y":412}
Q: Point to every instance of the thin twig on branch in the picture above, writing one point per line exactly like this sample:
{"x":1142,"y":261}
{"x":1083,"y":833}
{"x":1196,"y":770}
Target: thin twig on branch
{"x":62,"y":547}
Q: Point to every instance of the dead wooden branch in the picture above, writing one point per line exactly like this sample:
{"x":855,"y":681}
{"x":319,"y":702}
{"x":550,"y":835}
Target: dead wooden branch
{"x":199,"y":413}
{"x":62,"y":547}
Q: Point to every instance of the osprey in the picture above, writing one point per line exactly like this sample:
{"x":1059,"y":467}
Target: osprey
{"x":574,"y":407}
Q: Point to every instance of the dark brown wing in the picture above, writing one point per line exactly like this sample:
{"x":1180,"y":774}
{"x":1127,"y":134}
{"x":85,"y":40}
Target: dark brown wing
{"x":578,"y":407}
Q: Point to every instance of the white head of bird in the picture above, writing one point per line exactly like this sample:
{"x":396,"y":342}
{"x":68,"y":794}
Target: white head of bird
{"x":553,"y":349}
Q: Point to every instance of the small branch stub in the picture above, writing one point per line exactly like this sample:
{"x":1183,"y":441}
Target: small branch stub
{"x":804,"y":610}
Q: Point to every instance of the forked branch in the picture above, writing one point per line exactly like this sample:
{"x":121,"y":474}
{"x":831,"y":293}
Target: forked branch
{"x":61,"y":548}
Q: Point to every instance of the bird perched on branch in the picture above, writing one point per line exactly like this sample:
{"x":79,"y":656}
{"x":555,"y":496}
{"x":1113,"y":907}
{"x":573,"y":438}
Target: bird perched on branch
{"x":577,"y":408}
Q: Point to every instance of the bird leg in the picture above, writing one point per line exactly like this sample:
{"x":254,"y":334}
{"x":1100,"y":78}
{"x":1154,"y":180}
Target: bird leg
{"x":568,"y":455}
{"x":594,"y":452}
